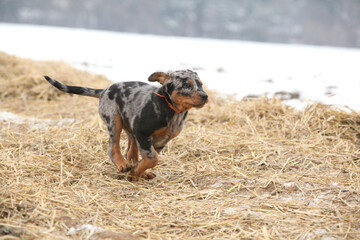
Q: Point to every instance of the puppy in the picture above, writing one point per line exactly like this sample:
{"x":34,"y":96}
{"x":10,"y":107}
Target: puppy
{"x":150,"y":116}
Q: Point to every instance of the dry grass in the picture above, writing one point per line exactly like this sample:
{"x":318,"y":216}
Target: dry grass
{"x":240,"y":170}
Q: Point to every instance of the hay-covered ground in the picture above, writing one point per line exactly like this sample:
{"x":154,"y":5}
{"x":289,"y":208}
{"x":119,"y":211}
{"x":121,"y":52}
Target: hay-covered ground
{"x":240,"y":170}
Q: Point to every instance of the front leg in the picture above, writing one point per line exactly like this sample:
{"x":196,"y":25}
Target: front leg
{"x":149,"y":159}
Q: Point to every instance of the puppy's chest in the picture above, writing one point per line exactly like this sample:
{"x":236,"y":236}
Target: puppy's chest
{"x":163,"y":135}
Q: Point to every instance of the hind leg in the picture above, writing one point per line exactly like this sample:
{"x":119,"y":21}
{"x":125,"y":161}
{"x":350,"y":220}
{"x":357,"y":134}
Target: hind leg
{"x":115,"y":126}
{"x":132,"y":153}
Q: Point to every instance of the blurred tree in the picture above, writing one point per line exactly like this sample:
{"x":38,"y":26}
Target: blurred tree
{"x":321,"y":22}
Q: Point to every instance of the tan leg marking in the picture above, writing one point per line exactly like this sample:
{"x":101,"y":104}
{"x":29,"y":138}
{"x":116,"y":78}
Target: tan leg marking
{"x":144,"y":164}
{"x":132,"y":153}
{"x":121,"y":164}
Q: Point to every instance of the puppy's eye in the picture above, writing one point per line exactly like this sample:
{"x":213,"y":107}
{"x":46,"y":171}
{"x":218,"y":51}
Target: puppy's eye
{"x":187,"y":85}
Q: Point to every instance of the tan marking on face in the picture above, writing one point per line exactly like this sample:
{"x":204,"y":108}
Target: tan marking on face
{"x":191,"y":81}
{"x":184,"y":103}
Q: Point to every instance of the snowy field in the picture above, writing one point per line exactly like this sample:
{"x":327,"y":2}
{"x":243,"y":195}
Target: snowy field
{"x":294,"y":72}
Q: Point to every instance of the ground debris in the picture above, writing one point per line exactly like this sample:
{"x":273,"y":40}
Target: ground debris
{"x":251,"y":169}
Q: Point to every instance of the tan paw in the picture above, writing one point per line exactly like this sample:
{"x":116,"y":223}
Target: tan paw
{"x":148,"y":175}
{"x":145,"y":175}
{"x":132,"y":178}
{"x":125,"y":168}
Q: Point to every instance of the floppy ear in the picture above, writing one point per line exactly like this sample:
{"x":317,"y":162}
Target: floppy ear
{"x":160,"y":77}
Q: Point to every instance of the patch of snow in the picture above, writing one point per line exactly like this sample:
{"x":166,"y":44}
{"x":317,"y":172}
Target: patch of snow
{"x":325,"y":74}
{"x":323,"y":234}
{"x":217,"y":184}
{"x":83,"y":227}
{"x":314,"y":203}
{"x":289,"y":184}
{"x":265,"y":195}
{"x":324,"y":195}
{"x":286,"y":199}
{"x":33,"y":123}
{"x":235,"y":210}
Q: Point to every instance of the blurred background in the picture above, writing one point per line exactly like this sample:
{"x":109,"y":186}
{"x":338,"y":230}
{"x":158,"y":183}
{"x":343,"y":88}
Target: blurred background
{"x":314,"y":22}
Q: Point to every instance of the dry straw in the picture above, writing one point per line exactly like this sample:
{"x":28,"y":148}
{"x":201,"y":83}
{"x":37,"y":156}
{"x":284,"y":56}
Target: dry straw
{"x":240,"y":170}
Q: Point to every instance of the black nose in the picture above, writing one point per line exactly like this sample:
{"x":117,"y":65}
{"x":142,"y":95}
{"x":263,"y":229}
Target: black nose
{"x":204,"y":96}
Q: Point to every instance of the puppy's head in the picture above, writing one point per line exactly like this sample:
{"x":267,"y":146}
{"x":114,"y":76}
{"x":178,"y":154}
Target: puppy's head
{"x":183,"y":87}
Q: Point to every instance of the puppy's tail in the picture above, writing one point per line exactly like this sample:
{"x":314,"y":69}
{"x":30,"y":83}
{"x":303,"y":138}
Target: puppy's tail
{"x":75,"y":89}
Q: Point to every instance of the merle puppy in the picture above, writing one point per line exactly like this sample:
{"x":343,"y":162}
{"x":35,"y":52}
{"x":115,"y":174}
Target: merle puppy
{"x":151,"y":116}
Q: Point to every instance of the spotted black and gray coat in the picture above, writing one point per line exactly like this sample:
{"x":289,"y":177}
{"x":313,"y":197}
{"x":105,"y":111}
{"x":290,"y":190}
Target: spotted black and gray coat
{"x":151,"y":116}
